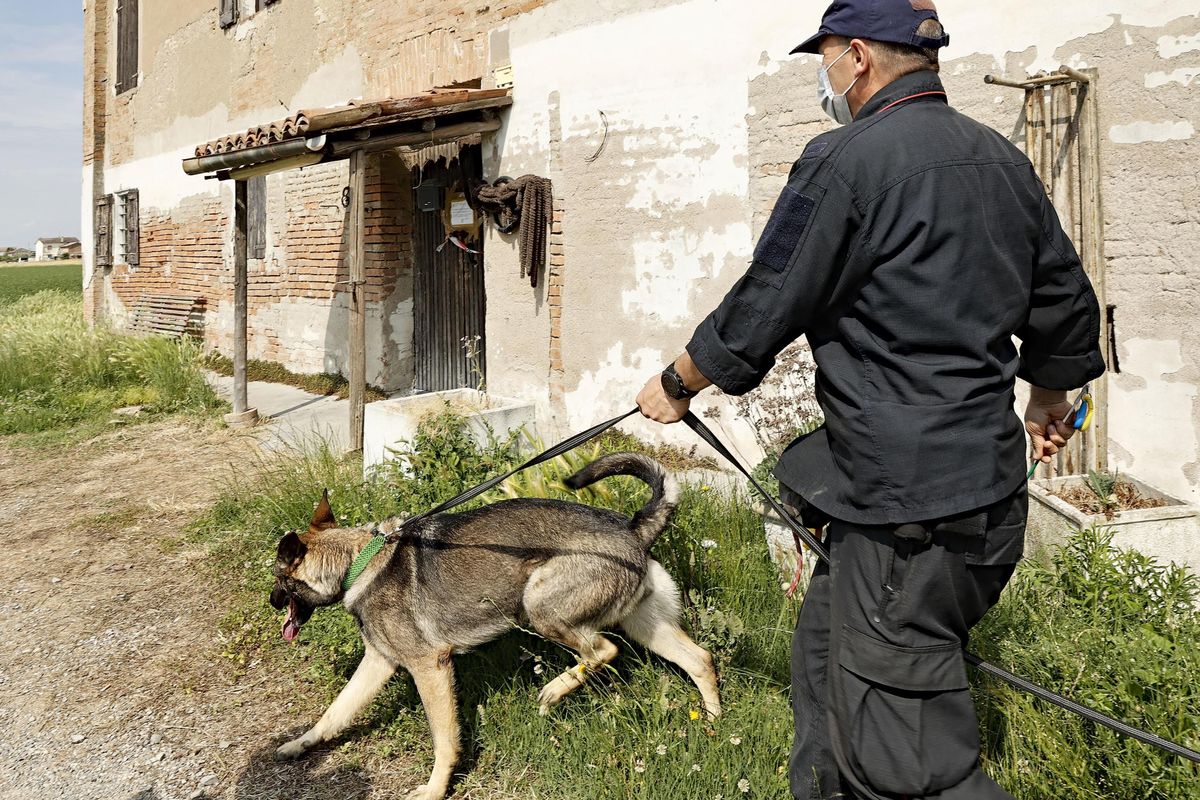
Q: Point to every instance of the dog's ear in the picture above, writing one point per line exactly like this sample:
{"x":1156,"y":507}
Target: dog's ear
{"x":291,"y":549}
{"x":323,"y":517}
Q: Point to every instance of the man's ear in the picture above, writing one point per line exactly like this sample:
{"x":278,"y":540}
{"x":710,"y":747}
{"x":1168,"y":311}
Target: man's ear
{"x":323,"y":517}
{"x":291,"y":549}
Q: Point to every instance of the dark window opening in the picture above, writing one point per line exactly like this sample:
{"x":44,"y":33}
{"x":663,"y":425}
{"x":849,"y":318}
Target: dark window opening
{"x":127,"y":45}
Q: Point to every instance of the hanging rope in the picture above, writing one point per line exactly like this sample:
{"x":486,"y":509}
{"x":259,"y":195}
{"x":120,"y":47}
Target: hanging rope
{"x":525,"y":203}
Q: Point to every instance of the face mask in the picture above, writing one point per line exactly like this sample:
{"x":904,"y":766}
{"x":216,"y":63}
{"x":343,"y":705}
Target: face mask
{"x":835,"y":105}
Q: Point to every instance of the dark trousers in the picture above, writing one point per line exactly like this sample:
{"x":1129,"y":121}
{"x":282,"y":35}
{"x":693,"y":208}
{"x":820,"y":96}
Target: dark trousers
{"x":879,"y":686}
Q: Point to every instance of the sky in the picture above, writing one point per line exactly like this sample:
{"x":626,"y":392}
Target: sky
{"x":41,"y":120}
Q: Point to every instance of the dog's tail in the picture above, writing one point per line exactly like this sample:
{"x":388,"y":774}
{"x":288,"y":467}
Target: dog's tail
{"x":648,"y":523}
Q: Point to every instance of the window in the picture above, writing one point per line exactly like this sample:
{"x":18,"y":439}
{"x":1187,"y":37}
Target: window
{"x":229,"y":13}
{"x":125,"y":227}
{"x":103,"y":232}
{"x":127,"y":45}
{"x":256,"y":217}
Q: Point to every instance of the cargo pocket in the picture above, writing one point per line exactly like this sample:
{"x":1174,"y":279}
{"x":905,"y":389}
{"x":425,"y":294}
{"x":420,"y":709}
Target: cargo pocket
{"x":904,"y":716}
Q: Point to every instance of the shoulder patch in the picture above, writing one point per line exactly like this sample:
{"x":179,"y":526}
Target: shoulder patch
{"x":784,"y":230}
{"x":814,"y":149}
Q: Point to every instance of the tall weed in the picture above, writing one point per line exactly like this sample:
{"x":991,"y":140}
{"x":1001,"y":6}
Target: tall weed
{"x":56,"y":371}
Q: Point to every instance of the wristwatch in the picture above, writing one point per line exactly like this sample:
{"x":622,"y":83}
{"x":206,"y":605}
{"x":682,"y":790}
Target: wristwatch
{"x":673,"y":384}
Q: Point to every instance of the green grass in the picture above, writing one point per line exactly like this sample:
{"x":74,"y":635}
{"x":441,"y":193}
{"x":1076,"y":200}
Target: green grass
{"x":58,"y":374}
{"x":1109,"y":628}
{"x":20,"y":280}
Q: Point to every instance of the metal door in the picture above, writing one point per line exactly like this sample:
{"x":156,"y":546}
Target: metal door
{"x":448,"y":293}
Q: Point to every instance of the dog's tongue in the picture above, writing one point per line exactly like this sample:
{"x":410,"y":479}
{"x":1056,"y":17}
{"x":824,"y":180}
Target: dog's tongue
{"x":291,"y":628}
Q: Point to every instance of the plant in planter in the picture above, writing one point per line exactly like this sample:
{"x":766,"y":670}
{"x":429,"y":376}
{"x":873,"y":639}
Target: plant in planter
{"x":1140,"y":516}
{"x":1108,"y":494}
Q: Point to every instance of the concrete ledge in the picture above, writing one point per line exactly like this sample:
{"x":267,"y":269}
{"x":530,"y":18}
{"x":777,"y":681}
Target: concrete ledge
{"x":1170,"y":533}
{"x":390,"y":425}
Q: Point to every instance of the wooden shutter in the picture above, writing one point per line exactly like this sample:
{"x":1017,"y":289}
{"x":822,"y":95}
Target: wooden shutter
{"x":132,"y":228}
{"x":256,"y":217}
{"x":229,"y":13}
{"x":103,"y":233}
{"x":127,"y":45}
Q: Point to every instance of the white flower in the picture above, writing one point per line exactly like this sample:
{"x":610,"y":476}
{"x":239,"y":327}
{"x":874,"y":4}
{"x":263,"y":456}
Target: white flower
{"x":661,"y":749}
{"x":639,"y":766}
{"x":735,"y":740}
{"x":708,"y":544}
{"x":744,"y":786}
{"x":695,"y":767}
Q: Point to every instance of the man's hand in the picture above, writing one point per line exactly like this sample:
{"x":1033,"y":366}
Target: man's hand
{"x":1044,"y":422}
{"x":657,"y":405}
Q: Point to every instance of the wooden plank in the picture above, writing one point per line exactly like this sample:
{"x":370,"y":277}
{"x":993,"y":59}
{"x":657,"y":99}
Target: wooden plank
{"x":358,"y":329}
{"x":1092,"y":236}
{"x":240,"y":281}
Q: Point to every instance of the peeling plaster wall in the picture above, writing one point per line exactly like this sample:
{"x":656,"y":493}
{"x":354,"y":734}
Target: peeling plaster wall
{"x":705,"y":113}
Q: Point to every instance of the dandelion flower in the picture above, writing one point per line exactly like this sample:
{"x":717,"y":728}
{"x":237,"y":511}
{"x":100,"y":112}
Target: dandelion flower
{"x":694,"y":714}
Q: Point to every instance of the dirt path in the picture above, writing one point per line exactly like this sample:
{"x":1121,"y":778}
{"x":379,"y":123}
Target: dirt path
{"x":112,"y":683}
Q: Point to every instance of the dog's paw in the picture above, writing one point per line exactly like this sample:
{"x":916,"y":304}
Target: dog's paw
{"x":293,"y":749}
{"x":425,"y":792}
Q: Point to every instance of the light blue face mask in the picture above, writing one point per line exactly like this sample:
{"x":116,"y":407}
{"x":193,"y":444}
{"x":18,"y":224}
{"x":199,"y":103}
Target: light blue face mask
{"x":835,"y":105}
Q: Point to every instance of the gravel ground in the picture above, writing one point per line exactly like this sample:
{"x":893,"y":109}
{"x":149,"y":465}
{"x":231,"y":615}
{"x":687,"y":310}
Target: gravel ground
{"x":112,"y":683}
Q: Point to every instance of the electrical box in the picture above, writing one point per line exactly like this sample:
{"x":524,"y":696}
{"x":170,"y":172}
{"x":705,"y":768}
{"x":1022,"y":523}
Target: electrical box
{"x":429,"y":197}
{"x":503,"y":75}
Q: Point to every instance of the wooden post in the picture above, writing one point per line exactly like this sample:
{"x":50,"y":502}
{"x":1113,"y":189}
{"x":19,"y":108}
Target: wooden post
{"x":243,"y":416}
{"x":358,"y":311}
{"x":1092,"y":239}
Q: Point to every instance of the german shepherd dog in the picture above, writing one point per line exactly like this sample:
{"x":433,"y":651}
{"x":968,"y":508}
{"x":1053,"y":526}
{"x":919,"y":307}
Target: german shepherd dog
{"x":451,"y":582}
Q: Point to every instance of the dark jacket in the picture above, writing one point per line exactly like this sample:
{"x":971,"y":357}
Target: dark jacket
{"x":909,"y":247}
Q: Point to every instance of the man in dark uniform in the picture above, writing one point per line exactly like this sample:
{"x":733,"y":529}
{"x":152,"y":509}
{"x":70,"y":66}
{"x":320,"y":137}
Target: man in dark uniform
{"x":909,"y":246}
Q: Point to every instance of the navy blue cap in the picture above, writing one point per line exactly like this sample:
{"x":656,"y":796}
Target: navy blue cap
{"x":893,"y":21}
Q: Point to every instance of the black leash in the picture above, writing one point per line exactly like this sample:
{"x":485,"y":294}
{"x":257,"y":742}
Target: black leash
{"x":553,"y":452}
{"x":1016,"y":681}
{"x":803,"y":534}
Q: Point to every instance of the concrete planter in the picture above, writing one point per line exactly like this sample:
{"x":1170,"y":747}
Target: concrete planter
{"x":389,"y":425}
{"x":1168,"y":533}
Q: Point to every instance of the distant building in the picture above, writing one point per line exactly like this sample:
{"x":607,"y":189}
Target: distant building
{"x":20,"y":253}
{"x":58,"y":247}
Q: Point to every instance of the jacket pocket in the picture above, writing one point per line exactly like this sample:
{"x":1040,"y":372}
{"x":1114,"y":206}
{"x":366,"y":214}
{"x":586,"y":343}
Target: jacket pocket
{"x":904,"y":716}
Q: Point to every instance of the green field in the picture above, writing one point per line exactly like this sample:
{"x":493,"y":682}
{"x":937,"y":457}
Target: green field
{"x":19,"y":280}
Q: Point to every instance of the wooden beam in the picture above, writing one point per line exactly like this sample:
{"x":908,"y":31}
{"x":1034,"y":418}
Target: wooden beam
{"x":242,"y":416}
{"x":358,"y":312}
{"x":415,"y":138}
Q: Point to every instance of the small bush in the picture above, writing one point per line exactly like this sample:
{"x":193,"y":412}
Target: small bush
{"x":1115,"y":631}
{"x":55,"y":371}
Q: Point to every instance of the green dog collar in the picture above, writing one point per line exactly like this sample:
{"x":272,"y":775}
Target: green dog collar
{"x":360,"y":562}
